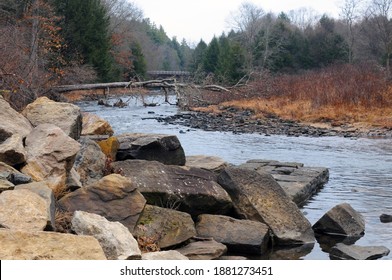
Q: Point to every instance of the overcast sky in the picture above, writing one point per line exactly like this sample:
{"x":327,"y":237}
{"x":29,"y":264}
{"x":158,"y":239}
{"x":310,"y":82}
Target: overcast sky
{"x":202,"y":19}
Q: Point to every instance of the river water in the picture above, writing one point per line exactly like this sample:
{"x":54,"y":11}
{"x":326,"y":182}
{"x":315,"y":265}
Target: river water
{"x":360,"y":169}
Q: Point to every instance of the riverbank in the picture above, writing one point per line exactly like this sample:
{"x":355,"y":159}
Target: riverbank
{"x":233,"y":119}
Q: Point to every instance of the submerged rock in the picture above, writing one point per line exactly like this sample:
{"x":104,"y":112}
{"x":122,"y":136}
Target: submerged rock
{"x":353,"y":252}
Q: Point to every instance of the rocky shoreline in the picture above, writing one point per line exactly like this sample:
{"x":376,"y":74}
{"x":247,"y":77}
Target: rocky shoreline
{"x":71,"y":190}
{"x":244,"y":121}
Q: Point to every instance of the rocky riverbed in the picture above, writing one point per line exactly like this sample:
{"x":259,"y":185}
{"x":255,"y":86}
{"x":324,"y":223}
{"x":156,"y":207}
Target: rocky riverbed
{"x":70,"y":190}
{"x":244,"y":121}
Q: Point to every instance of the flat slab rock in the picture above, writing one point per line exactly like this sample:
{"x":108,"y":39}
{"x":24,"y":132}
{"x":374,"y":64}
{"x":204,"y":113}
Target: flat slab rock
{"x":21,"y":245}
{"x":240,"y":236}
{"x":355,"y":252}
{"x":299,"y":182}
{"x":203,"y":250}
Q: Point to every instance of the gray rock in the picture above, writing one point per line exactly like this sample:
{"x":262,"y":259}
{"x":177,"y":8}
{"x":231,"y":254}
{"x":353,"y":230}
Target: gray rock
{"x":43,"y":190}
{"x":64,"y":115}
{"x":89,"y":162}
{"x":341,"y":220}
{"x":203,"y":250}
{"x":353,"y":252}
{"x":114,"y":197}
{"x":167,"y":227}
{"x":22,"y":245}
{"x":166,"y":149}
{"x":190,"y":190}
{"x":240,"y":236}
{"x":164,"y":255}
{"x":24,"y":210}
{"x":259,"y":197}
{"x":115,"y":239}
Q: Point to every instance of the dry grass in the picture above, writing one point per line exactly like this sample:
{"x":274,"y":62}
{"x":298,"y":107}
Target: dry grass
{"x":336,"y":95}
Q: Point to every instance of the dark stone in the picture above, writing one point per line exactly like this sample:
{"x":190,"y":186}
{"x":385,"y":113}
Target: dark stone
{"x":385,"y":218}
{"x":341,"y":220}
{"x":166,"y":149}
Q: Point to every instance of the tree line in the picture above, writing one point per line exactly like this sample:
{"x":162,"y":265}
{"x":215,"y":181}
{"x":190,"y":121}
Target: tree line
{"x":51,"y":42}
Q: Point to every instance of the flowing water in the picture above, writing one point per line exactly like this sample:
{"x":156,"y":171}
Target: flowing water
{"x":360,"y":169}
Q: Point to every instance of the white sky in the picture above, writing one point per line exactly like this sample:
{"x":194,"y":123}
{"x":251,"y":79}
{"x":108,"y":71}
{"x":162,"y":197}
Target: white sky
{"x":202,"y":19}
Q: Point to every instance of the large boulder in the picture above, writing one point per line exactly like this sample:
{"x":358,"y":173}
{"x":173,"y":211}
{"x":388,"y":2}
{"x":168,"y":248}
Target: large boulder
{"x":190,"y":190}
{"x":259,"y":197}
{"x":45,"y":192}
{"x":13,"y":129}
{"x":50,"y":155}
{"x":341,"y":220}
{"x":203,"y":250}
{"x":114,"y":197}
{"x":64,"y":115}
{"x":115,"y":239}
{"x":240,"y":236}
{"x":89,"y":162}
{"x":94,"y":125}
{"x":354,"y":252}
{"x":22,"y":245}
{"x":24,"y":210}
{"x":166,"y":149}
{"x":167,"y":227}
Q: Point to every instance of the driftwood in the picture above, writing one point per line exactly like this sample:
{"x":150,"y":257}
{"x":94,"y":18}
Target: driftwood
{"x":166,"y":83}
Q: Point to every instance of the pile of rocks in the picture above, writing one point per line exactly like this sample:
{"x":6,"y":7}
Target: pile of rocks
{"x":67,"y":192}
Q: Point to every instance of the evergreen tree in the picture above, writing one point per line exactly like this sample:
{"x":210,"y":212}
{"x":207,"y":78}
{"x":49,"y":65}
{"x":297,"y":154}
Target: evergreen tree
{"x":139,"y":61}
{"x":211,"y":57}
{"x":198,"y":57}
{"x":85,"y":29}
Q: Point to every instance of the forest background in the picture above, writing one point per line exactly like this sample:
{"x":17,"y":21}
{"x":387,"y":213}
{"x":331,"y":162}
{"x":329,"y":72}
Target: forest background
{"x":300,"y":60}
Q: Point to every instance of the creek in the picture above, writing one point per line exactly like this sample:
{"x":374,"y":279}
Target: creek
{"x":360,"y":169}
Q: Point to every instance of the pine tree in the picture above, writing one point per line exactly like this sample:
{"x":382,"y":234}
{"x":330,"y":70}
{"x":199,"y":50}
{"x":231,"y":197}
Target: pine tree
{"x":85,"y":29}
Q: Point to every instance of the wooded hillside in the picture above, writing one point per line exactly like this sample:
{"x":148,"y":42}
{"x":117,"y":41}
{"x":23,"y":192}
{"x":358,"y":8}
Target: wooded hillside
{"x":45,"y":43}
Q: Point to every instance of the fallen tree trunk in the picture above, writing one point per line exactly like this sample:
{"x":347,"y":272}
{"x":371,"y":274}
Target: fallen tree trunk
{"x":167,"y":83}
